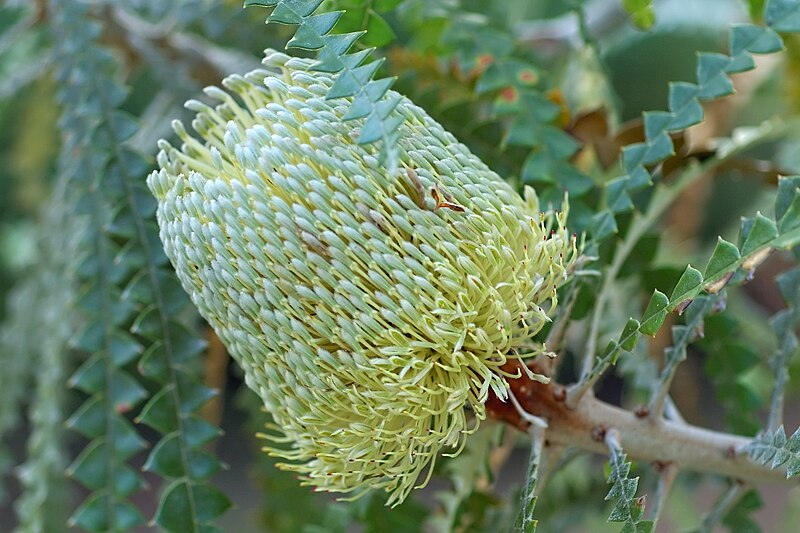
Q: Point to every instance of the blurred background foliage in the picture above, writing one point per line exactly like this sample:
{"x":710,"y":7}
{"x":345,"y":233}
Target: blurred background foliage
{"x":593,"y":67}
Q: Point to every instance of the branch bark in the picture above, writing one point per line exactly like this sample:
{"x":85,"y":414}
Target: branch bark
{"x":665,"y":442}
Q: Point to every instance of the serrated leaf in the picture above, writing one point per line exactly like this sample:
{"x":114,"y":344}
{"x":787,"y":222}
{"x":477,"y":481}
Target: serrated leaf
{"x":91,"y":336}
{"x":789,"y":218}
{"x":724,"y":259}
{"x":638,"y":179}
{"x":655,"y":314}
{"x":93,"y":514}
{"x":658,"y":149}
{"x":125,"y":391}
{"x":197,"y":431}
{"x":774,"y":449}
{"x":90,"y":377}
{"x":688,"y":286}
{"x":629,"y":336}
{"x":160,"y":412}
{"x":741,"y":63}
{"x":617,"y":198}
{"x":91,"y":466}
{"x":154,"y":362}
{"x":124,"y":440}
{"x":633,"y":156}
{"x":712,"y":76}
{"x":124,"y":348}
{"x":603,"y":225}
{"x":171,"y":455}
{"x":627,"y":507}
{"x":310,"y":32}
{"x":656,"y":123}
{"x":349,"y":82}
{"x":684,"y":105}
{"x":90,"y":419}
{"x":756,"y":233}
{"x":754,"y":39}
{"x":293,"y":11}
{"x":193,"y":394}
{"x":126,"y":481}
{"x":183,"y":500}
{"x":783,"y":15}
{"x":148,"y":323}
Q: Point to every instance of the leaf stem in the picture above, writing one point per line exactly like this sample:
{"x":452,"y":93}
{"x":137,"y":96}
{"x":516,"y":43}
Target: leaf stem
{"x":666,"y":479}
{"x":723,"y":506}
{"x":525,"y":522}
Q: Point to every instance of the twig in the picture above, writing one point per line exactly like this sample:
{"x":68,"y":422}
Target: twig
{"x":671,"y":411}
{"x":676,"y":354}
{"x":666,"y":477}
{"x":775,"y":419}
{"x":554,"y":456}
{"x":206,"y":62}
{"x":723,"y":506}
{"x":785,"y":324}
{"x":583,"y":427}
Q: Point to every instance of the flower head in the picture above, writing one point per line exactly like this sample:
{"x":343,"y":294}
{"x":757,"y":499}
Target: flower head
{"x":368,"y":309}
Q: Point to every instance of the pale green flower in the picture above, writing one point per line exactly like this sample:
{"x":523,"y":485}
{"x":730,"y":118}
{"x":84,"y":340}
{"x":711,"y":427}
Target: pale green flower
{"x":368,"y":309}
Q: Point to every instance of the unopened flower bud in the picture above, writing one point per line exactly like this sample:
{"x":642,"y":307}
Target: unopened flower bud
{"x":371,"y":311}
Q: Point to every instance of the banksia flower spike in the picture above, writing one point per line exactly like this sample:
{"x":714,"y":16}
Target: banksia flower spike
{"x":371,"y":311}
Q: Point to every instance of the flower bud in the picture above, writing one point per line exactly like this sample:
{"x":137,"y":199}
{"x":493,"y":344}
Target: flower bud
{"x":371,"y":310}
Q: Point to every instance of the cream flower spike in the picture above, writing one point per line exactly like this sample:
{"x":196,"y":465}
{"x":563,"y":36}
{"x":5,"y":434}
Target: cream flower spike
{"x":371,"y":312}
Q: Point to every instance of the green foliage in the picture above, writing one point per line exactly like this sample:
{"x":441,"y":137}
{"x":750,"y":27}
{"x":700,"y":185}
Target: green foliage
{"x":730,"y":362}
{"x":775,"y":449}
{"x":107,"y":347}
{"x":685,"y":110}
{"x":356,"y":75}
{"x":42,"y":505}
{"x":628,"y":509}
{"x":129,"y":303}
{"x":529,"y":118}
{"x":641,"y":12}
{"x":757,"y":236}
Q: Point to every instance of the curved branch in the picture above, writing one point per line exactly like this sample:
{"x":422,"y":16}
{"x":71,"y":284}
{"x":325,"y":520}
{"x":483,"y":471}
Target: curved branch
{"x":687,"y":447}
